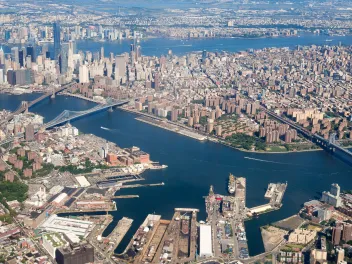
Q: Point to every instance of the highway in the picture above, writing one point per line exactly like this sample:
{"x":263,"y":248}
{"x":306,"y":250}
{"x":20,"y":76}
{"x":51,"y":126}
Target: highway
{"x":306,"y":133}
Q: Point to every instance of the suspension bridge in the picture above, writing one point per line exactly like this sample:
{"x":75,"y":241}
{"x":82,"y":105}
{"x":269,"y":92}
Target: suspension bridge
{"x":67,"y":116}
{"x":24,"y":106}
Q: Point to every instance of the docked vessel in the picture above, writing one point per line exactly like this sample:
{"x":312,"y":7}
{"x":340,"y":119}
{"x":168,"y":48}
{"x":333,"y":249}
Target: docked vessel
{"x":232,"y":184}
{"x":185,"y":226}
{"x":158,"y":167}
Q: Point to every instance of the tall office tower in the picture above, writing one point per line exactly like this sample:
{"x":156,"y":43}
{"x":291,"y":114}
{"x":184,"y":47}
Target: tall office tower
{"x":63,"y":59}
{"x":21,"y":57}
{"x":156,"y":82}
{"x":138,"y":52}
{"x":45,"y":49}
{"x":132,"y":54}
{"x":2,"y":76}
{"x":83,"y":74}
{"x":71,"y":48}
{"x":29,"y":132}
{"x":11,"y":77}
{"x":31,"y":52}
{"x":102,"y":52}
{"x":29,"y":62}
{"x":120,"y":67}
{"x":57,"y":40}
{"x":15,"y":54}
{"x":7,"y":34}
{"x":2,"y":56}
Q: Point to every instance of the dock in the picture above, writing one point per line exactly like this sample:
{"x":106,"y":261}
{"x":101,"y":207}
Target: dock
{"x":172,"y":127}
{"x":111,"y":242}
{"x":275,"y":193}
{"x":141,"y":185}
{"x":125,"y":196}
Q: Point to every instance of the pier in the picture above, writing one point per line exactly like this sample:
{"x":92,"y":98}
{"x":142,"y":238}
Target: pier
{"x":275,"y":193}
{"x":111,"y":242}
{"x":125,"y":196}
{"x":141,"y":185}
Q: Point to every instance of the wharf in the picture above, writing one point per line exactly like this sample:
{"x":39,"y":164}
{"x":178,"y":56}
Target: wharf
{"x":115,"y":237}
{"x":139,"y":244}
{"x":141,"y":185}
{"x":171,"y":127}
{"x":93,"y":238}
{"x":84,"y":211}
{"x":275,"y":193}
{"x":125,"y":196}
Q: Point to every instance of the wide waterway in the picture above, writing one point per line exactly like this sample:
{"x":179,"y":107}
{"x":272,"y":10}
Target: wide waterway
{"x":194,"y":166}
{"x":161,"y":46}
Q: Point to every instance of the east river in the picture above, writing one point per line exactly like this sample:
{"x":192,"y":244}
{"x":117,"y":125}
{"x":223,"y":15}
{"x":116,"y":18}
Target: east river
{"x":194,"y":166}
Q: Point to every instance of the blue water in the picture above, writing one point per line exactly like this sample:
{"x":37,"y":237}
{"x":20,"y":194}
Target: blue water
{"x":161,"y":46}
{"x":194,"y":166}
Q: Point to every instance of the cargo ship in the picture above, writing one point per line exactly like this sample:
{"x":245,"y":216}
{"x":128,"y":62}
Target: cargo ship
{"x":232,"y":184}
{"x":185,"y":226}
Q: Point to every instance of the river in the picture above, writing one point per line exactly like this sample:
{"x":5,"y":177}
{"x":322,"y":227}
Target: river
{"x":194,"y":166}
{"x":161,"y":46}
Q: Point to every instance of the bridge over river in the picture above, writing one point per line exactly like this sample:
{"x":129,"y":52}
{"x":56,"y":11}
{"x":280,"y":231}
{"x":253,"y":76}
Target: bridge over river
{"x":67,"y":116}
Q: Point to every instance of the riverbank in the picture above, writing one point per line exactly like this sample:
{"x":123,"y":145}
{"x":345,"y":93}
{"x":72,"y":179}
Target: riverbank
{"x":193,"y":166}
{"x":212,"y":139}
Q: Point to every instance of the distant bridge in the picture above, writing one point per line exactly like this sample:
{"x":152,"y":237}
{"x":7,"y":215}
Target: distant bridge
{"x":24,"y":106}
{"x":329,"y":145}
{"x":68,"y":115}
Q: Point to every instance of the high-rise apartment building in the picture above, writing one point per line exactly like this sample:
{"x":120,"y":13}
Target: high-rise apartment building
{"x":83,"y":74}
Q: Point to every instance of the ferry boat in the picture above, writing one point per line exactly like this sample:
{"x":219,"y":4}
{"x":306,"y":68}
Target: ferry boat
{"x":158,"y":167}
{"x":232,"y":184}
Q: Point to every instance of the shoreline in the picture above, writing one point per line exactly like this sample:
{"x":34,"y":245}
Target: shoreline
{"x":217,"y":141}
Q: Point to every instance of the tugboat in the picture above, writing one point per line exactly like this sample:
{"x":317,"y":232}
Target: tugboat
{"x":232,"y":184}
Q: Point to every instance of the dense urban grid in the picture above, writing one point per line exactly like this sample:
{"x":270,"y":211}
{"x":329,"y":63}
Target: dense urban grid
{"x":265,"y":100}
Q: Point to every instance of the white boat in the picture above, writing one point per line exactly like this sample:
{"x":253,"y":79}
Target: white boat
{"x":158,"y":167}
{"x":232,"y":184}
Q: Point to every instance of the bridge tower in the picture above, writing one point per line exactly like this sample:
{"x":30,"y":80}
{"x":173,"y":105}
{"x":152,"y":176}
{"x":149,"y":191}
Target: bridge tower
{"x":332,"y":138}
{"x":110,"y":109}
{"x":24,"y":105}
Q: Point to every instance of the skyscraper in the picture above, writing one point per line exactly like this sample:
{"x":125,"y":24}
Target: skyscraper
{"x":15,"y":54}
{"x":21,"y":57}
{"x":83,"y":74}
{"x":31,"y":52}
{"x":63,"y":60}
{"x":2,"y":56}
{"x":57,"y":40}
{"x":29,"y":132}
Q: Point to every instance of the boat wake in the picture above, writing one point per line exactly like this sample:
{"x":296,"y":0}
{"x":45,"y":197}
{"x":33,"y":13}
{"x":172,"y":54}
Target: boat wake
{"x":108,"y":129}
{"x":267,"y":161}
